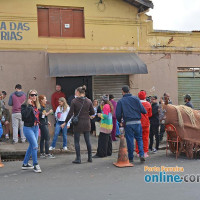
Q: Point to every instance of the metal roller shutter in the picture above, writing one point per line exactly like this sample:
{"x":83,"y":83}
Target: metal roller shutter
{"x":109,"y":85}
{"x":189,"y":85}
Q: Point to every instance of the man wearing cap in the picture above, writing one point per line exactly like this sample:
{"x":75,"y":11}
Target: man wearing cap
{"x":130,"y":109}
{"x":145,"y":123}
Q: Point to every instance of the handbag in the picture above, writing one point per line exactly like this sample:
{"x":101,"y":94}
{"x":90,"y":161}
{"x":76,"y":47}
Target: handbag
{"x":75,"y":118}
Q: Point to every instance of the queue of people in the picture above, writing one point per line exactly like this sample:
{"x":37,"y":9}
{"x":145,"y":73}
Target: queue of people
{"x":139,"y":118}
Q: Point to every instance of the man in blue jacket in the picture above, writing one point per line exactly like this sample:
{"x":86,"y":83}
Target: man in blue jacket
{"x":130,"y":108}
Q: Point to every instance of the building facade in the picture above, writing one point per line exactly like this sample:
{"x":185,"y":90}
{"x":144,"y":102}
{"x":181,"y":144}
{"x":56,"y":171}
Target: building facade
{"x":39,"y":38}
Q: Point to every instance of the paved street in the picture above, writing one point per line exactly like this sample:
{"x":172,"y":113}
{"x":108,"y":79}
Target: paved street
{"x":100,"y":180}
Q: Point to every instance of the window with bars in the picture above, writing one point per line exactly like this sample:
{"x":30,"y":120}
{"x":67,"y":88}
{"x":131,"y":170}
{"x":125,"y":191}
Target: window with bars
{"x":60,"y":22}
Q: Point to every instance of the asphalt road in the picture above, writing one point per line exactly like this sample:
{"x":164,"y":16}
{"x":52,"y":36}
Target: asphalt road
{"x":100,"y":180}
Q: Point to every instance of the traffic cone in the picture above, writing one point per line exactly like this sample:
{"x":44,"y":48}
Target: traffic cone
{"x":123,"y":160}
{"x":1,"y":164}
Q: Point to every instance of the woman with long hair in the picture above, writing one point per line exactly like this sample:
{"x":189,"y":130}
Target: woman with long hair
{"x":60,"y":115}
{"x":30,"y":116}
{"x":82,"y":107}
{"x":94,"y":117}
{"x":105,"y":142}
{"x":44,"y":128}
{"x":114,"y":103}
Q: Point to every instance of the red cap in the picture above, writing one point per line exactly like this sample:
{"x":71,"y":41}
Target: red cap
{"x":142,"y":95}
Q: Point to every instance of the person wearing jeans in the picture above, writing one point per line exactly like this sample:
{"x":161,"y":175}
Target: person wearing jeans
{"x":130,"y":108}
{"x":30,"y":116}
{"x":15,"y":100}
{"x":134,"y":131}
{"x":56,"y":133}
{"x":31,"y":134}
{"x":61,"y":114}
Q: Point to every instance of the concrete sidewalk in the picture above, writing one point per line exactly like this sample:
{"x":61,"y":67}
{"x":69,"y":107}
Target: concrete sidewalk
{"x":7,"y":148}
{"x":19,"y":149}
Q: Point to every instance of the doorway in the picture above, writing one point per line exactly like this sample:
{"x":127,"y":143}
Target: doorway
{"x":69,"y":84}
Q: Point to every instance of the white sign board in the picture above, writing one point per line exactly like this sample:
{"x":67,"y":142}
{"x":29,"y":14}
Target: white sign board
{"x":67,"y":25}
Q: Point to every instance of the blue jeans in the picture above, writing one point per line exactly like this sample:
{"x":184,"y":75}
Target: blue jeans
{"x":134,"y":131}
{"x":31,"y":134}
{"x":57,"y":131}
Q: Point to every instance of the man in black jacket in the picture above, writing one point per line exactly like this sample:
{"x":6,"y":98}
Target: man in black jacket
{"x":154,"y":124}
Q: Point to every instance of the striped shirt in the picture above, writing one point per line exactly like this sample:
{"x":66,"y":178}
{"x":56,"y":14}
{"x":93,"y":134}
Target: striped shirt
{"x":106,"y":120}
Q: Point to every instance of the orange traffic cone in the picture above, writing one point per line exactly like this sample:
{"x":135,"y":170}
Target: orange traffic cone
{"x":1,"y":164}
{"x":123,"y":160}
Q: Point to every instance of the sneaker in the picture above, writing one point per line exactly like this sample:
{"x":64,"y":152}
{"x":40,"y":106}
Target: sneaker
{"x":50,"y":156}
{"x":76,"y":161}
{"x":65,"y":148}
{"x":142,"y":159}
{"x":154,"y":151}
{"x":27,"y":166}
{"x":51,"y":148}
{"x":131,"y":160}
{"x":42,"y":155}
{"x":37,"y":169}
{"x":146,"y":155}
{"x":7,"y":136}
{"x":138,"y":155}
{"x":95,"y":156}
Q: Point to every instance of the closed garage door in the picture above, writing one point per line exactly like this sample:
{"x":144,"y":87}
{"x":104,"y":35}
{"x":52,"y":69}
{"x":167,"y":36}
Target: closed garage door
{"x":189,"y":83}
{"x":109,"y":85}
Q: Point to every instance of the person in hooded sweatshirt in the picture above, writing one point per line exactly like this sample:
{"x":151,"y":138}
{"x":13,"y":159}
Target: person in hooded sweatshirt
{"x":145,"y":123}
{"x":15,"y":100}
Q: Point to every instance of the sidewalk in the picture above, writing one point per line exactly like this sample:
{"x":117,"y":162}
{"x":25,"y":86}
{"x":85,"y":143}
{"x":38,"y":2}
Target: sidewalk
{"x":19,"y":149}
{"x":7,"y":148}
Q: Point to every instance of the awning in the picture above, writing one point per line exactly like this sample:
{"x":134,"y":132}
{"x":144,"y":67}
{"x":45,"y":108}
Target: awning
{"x":88,"y":64}
{"x":141,"y":4}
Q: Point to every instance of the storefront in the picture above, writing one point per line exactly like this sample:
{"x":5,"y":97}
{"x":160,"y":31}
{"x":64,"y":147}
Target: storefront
{"x":102,"y":73}
{"x":189,"y":83}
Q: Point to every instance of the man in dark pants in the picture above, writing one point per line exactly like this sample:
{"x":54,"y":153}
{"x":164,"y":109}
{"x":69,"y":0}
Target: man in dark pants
{"x":130,"y":108}
{"x":154,"y":124}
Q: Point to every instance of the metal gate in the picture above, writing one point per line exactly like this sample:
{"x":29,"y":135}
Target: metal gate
{"x":109,"y":85}
{"x":189,"y":83}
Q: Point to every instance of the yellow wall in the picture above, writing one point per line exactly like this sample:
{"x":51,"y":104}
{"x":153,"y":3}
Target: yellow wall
{"x":115,"y":27}
{"x":104,"y":30}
